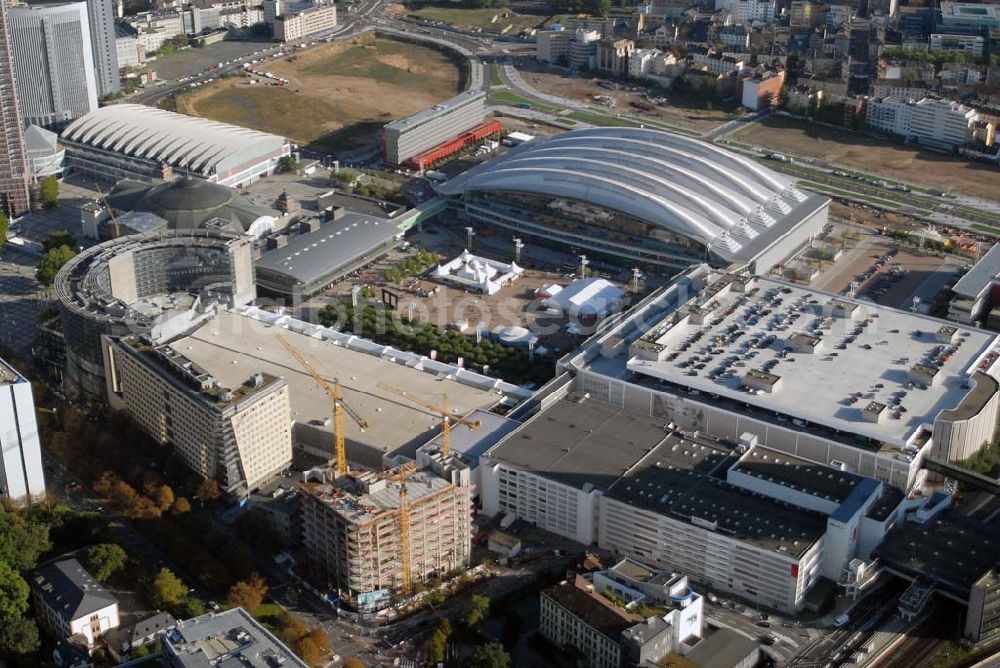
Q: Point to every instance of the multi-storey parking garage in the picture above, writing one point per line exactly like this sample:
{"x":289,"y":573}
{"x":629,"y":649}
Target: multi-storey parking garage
{"x":641,"y":196}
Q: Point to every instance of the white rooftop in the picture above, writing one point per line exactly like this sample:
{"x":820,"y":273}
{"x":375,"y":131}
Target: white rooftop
{"x":863,"y":359}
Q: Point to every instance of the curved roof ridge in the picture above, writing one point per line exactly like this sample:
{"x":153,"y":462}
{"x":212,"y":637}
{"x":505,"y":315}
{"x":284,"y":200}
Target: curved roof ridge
{"x":745,"y":205}
{"x":714,"y":213}
{"x":704,"y":233}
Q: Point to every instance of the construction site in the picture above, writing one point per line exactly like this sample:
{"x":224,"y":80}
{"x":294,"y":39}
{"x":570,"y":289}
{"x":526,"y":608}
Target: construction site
{"x":377,"y":534}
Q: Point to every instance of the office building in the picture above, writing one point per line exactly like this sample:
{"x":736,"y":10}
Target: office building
{"x":407,"y":138}
{"x":15,"y":173}
{"x":353,"y":526}
{"x":747,"y":11}
{"x":629,"y":195}
{"x":229,"y":638}
{"x":101,"y":15}
{"x":239,"y":434}
{"x":71,"y":604}
{"x":969,"y":15}
{"x":158,"y":285}
{"x":969,"y":45}
{"x":576,"y":49}
{"x":21,"y":475}
{"x":53,"y":62}
{"x":131,"y":141}
{"x":127,"y":48}
{"x":292,"y":26}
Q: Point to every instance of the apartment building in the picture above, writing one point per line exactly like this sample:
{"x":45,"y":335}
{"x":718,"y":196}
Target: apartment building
{"x":69,"y":602}
{"x":938,"y":123}
{"x":408,"y":137}
{"x":314,"y":20}
{"x":762,"y":91}
{"x":129,"y":55}
{"x":613,"y":56}
{"x":21,"y":475}
{"x":595,"y":614}
{"x":240,"y":436}
{"x":573,"y":48}
{"x":747,"y":11}
{"x":354,"y":525}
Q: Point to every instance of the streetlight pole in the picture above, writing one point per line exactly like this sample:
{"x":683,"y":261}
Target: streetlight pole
{"x":635,"y":279}
{"x":469,"y":234}
{"x":518,"y":245}
{"x":583,"y":266}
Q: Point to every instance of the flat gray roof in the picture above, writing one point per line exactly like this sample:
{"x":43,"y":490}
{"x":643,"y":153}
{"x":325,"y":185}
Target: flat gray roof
{"x":465,"y":97}
{"x":791,"y":471}
{"x":338,"y":243}
{"x":634,"y":459}
{"x":232,"y":346}
{"x":860,"y":359}
{"x":471,"y":443}
{"x":980,"y":275}
{"x":952,"y":549}
{"x":230,"y":638}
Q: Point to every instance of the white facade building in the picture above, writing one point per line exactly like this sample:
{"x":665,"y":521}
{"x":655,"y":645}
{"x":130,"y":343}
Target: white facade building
{"x":127,"y":47}
{"x":70,"y":602}
{"x":941,"y":123}
{"x":970,"y":45}
{"x":747,"y":11}
{"x":21,"y":474}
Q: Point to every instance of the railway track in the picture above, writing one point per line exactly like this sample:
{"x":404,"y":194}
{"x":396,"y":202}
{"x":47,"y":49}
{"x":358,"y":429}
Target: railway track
{"x":922,"y":642}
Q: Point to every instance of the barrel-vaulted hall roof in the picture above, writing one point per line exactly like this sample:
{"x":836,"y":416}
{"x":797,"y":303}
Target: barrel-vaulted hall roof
{"x":184,"y":142}
{"x":719,"y":198}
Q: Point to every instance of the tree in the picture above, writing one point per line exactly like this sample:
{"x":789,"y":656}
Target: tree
{"x":354,"y":662}
{"x":295,"y":628}
{"x":51,"y":263}
{"x":18,"y":636}
{"x":192,"y":607}
{"x":168,"y":590}
{"x":56,"y":239}
{"x":208,"y":491}
{"x":439,"y":646}
{"x":23,"y":538}
{"x":105,"y":559}
{"x":491,"y":655}
{"x":248,"y":594}
{"x":13,"y":594}
{"x":307,"y":651}
{"x":480,"y":606}
{"x":48,"y":193}
{"x":181,"y":506}
{"x":4,"y":227}
{"x":164,"y":497}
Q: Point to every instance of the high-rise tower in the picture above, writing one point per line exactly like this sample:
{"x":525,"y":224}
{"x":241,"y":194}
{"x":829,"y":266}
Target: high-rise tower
{"x":102,"y":37}
{"x":14,"y":174}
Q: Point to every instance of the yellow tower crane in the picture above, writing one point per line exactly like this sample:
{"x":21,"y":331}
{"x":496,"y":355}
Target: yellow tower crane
{"x":339,"y":407}
{"x":443,"y":410}
{"x":406,"y":581}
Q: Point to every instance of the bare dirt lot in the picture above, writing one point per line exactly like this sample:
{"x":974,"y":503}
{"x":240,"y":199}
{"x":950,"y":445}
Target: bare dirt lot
{"x":339,"y":96}
{"x":859,"y":151}
{"x":584,"y":89}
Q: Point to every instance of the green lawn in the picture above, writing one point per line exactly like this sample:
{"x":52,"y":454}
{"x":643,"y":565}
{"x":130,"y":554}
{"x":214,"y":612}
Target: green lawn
{"x":271,"y":615}
{"x":488,"y":20}
{"x":829,"y":190}
{"x":363,"y":61}
{"x":495,"y":78}
{"x":608,"y":121}
{"x":506,"y":97}
{"x":266,"y":108}
{"x":986,"y":228}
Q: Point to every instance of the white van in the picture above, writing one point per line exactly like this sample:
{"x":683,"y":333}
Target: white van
{"x":841,"y":620}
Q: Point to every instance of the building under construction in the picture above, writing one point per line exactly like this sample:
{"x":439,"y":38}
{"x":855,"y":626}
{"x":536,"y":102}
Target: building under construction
{"x":377,"y":533}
